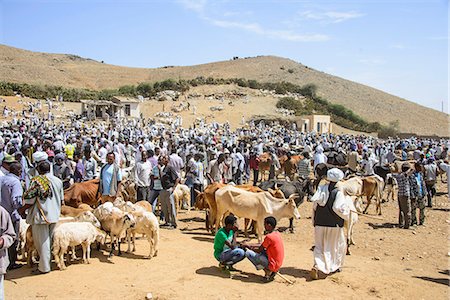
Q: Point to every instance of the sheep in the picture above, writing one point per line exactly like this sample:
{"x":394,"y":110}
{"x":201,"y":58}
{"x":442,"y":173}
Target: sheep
{"x":115,"y":222}
{"x":85,"y":216}
{"x":129,"y":191}
{"x":105,"y":210}
{"x":30,"y":249}
{"x":182,"y":192}
{"x":128,"y":206}
{"x":85,"y":206}
{"x":145,"y":205}
{"x":69,"y":211}
{"x":23,"y":227}
{"x":146,"y":223}
{"x":73,"y":234}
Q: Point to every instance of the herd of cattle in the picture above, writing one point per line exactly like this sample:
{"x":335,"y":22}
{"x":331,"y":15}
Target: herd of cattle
{"x":83,"y":221}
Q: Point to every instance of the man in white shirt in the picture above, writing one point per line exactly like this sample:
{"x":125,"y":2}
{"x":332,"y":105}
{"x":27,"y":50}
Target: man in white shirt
{"x":142,"y":172}
{"x":214,"y":171}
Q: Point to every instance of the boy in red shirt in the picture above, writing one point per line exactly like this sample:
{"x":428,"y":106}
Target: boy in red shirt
{"x":270,"y":254}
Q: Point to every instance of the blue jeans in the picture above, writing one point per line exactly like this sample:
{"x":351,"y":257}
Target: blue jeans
{"x":154,"y":201}
{"x":260,"y":260}
{"x":232,"y":256}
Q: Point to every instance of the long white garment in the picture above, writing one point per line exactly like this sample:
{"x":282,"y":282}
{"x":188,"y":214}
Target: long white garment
{"x":329,"y":248}
{"x":330,"y":244}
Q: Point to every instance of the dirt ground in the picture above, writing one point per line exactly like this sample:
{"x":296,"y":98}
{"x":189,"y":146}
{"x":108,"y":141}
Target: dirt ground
{"x":233,"y":111}
{"x":386,"y":263}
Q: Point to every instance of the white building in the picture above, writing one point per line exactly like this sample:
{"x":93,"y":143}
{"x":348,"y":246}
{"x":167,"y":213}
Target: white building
{"x":317,"y":123}
{"x":129,"y":107}
{"x":121,"y":107}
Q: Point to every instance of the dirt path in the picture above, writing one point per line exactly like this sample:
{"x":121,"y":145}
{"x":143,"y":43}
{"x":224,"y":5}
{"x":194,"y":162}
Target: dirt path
{"x":386,"y":263}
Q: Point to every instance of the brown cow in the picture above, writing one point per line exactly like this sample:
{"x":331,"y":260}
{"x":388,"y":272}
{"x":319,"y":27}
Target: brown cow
{"x":82,"y":192}
{"x":368,"y":186}
{"x":289,"y":168}
{"x":265,"y":160}
{"x":207,"y":200}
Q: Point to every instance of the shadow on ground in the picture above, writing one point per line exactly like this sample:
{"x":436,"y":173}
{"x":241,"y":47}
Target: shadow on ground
{"x":294,"y":272}
{"x":237,"y":275}
{"x":383,"y":225}
{"x":444,"y":281}
{"x":195,"y":219}
{"x":203,"y":239}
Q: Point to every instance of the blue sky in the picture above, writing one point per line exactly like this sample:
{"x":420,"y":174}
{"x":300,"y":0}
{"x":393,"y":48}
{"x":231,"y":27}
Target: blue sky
{"x":397,"y":46}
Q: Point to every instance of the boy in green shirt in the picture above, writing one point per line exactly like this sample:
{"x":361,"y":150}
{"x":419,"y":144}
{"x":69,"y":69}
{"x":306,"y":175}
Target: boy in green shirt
{"x":225,"y":250}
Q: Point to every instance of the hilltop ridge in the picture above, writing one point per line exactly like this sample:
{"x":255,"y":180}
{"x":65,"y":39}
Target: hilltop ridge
{"x":68,"y":70}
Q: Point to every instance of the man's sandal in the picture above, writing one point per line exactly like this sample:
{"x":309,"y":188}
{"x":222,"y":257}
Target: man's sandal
{"x":314,"y":273}
{"x":233,"y":269}
{"x":269,"y":278}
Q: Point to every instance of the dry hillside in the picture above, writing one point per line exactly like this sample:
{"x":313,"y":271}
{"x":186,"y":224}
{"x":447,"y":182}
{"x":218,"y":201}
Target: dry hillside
{"x":23,"y":66}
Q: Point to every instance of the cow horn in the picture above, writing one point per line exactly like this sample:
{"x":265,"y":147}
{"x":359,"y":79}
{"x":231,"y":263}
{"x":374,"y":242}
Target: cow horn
{"x":197,"y":191}
{"x":276,"y":185}
{"x":294,"y":196}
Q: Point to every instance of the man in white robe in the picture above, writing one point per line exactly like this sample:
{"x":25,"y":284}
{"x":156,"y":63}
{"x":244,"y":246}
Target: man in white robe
{"x":331,"y":209}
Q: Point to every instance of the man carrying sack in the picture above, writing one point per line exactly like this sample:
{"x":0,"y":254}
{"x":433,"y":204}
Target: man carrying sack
{"x":43,"y":200}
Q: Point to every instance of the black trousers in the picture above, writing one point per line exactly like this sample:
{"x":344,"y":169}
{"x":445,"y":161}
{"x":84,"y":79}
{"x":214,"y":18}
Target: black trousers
{"x":12,"y":251}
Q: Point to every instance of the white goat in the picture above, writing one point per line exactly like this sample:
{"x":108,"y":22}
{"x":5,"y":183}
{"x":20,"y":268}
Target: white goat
{"x":182,"y":193}
{"x":147,"y":224}
{"x":73,"y":234}
{"x":29,"y":247}
{"x":115,"y":222}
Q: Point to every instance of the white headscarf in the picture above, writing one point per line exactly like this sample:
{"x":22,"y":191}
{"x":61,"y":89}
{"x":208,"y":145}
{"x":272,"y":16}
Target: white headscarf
{"x":335,"y":175}
{"x":39,"y":156}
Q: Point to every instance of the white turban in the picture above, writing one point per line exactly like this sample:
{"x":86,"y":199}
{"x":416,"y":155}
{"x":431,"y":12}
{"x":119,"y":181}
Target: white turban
{"x":335,"y":175}
{"x":39,"y":156}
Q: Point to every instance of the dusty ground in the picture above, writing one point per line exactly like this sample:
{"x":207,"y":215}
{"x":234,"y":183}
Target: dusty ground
{"x":386,"y":263}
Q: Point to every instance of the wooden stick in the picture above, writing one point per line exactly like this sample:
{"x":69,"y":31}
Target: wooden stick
{"x":286,"y":279}
{"x":367,"y":216}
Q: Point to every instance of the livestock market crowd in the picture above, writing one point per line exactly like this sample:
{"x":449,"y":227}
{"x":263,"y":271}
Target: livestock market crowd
{"x":73,"y":183}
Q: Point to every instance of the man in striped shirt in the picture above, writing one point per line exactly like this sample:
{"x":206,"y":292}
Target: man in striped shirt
{"x":304,"y":166}
{"x":405,"y":181}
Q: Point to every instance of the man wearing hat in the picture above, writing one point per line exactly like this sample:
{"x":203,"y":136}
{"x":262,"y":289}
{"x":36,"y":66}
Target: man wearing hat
{"x":38,"y":157}
{"x":331,"y":208}
{"x":6,"y":163}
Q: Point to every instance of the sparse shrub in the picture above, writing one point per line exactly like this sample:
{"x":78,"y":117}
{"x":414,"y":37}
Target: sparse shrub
{"x":289,"y":103}
{"x":390,"y":130}
{"x":253,"y":84}
{"x":291,"y":71}
{"x":242,"y":82}
{"x":309,"y":90}
{"x":127,"y":90}
{"x":145,"y":89}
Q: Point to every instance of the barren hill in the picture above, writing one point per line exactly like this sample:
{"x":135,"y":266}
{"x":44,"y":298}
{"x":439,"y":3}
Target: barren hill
{"x":23,"y":66}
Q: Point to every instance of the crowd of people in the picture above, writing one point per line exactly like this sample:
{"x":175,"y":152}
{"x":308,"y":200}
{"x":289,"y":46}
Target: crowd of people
{"x":40,"y":158}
